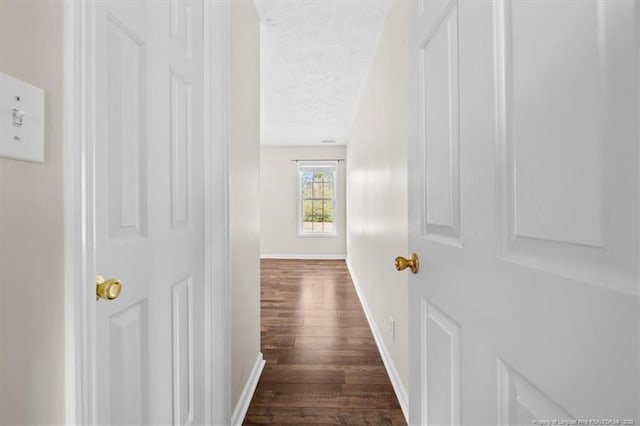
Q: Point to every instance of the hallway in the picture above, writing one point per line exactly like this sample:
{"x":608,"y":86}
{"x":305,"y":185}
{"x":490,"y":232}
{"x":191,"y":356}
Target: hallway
{"x":322,"y":364}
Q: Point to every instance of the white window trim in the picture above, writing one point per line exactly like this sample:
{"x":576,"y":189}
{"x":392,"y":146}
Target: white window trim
{"x":324,"y":164}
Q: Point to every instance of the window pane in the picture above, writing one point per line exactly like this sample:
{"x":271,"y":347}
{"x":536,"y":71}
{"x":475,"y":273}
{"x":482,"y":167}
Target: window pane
{"x":307,"y":210}
{"x":307,"y":227}
{"x":317,"y":211}
{"x":328,"y":211}
{"x":306,"y":189}
{"x":318,"y":190}
{"x":307,"y":176}
{"x":328,"y":190}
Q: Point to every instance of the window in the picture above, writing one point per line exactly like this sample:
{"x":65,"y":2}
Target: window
{"x":317,"y":197}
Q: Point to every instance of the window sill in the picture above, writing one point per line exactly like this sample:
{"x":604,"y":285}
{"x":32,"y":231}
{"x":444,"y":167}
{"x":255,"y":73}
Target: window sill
{"x":317,"y":235}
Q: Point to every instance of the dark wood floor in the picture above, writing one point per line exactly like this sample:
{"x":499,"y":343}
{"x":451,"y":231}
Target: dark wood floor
{"x":323,"y":366}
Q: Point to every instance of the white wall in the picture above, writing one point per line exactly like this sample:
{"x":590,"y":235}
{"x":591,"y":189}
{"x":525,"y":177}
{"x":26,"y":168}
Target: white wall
{"x":244,"y":181}
{"x":31,"y":229}
{"x":278,"y":204}
{"x":377,"y":187}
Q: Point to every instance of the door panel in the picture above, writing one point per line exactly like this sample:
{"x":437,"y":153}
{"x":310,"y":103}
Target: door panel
{"x":182,"y":344}
{"x":529,"y":311}
{"x":129,"y":359}
{"x":519,"y":400}
{"x":149,"y":211}
{"x":126,"y":106}
{"x":565,"y":127}
{"x":182,"y":25}
{"x":441,"y":342}
{"x":440,"y":143}
{"x":180,"y":142}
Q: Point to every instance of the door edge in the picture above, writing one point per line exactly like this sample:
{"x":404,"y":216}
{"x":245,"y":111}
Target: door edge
{"x":216,"y":215}
{"x":79,"y":218}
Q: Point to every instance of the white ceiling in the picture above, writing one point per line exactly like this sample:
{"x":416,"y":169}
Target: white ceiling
{"x":315,"y":57}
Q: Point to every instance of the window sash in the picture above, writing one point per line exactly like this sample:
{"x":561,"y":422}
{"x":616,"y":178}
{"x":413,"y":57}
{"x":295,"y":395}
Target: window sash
{"x":312,"y":167}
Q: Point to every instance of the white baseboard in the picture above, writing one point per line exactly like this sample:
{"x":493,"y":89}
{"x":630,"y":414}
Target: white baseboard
{"x":305,"y":256}
{"x":247,"y":393}
{"x":396,"y":382}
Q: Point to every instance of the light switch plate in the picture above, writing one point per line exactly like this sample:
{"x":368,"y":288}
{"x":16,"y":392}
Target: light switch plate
{"x":21,"y":120}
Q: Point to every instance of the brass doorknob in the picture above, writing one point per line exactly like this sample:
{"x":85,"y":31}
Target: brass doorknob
{"x":107,"y":289}
{"x":412,"y":263}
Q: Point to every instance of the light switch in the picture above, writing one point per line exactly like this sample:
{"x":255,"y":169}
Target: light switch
{"x":21,"y":120}
{"x":18,"y":115}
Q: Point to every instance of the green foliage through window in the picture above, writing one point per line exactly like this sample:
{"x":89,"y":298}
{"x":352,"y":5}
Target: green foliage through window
{"x":317,"y":186}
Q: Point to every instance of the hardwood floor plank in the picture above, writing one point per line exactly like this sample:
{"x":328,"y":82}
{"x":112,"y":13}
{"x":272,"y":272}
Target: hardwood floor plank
{"x":310,"y":373}
{"x":276,"y":373}
{"x":322,"y":363}
{"x":328,"y":357}
{"x":313,"y":306}
{"x":306,"y":342}
{"x":278,"y":342}
{"x":325,"y":395}
{"x":277,"y":321}
{"x":326,"y":331}
{"x":335,"y":321}
{"x":323,"y":416}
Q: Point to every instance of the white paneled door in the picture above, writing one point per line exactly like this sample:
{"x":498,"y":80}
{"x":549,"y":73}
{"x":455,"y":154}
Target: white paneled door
{"x":524,"y":212}
{"x":148,"y":99}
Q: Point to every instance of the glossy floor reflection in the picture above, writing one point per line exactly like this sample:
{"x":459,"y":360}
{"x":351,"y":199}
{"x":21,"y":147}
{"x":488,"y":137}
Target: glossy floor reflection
{"x":322,"y":363}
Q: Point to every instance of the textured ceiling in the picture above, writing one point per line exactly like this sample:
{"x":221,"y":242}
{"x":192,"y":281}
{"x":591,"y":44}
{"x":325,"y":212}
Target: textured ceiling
{"x":315,"y":57}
